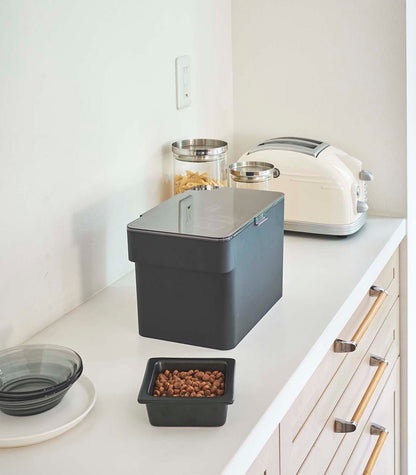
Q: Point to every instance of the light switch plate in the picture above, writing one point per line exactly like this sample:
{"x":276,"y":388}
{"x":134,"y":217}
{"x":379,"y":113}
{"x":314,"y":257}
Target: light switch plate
{"x":183,"y":82}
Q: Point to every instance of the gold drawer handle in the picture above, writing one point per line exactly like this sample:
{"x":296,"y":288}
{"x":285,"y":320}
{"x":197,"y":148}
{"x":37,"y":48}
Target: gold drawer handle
{"x":345,"y":346}
{"x":342,"y":426}
{"x":382,"y":433}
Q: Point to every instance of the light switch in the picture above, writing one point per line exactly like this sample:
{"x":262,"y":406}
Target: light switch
{"x":183,"y":82}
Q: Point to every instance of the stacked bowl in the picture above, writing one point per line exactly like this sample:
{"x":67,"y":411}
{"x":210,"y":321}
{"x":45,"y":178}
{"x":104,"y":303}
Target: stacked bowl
{"x":35,"y":378}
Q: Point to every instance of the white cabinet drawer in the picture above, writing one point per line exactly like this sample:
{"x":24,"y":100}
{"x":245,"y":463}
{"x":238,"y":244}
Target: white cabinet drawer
{"x":385,"y":459}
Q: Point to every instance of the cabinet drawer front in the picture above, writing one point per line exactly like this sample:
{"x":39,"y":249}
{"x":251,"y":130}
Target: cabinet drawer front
{"x":388,"y":280}
{"x":267,"y":462}
{"x":308,"y":415}
{"x":386,"y":345}
{"x":386,"y":413}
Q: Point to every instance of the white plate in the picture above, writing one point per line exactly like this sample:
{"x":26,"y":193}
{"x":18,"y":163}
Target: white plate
{"x":28,"y":430}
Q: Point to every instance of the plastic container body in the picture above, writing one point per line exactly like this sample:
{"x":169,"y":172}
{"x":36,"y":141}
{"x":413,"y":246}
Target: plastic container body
{"x":199,"y":162}
{"x":208,"y":292}
{"x":181,"y":411}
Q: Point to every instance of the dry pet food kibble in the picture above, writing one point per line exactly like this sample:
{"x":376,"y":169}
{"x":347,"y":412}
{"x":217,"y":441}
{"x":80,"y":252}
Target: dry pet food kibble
{"x":192,"y":383}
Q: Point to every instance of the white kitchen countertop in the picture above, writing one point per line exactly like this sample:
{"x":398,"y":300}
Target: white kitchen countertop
{"x":324,"y":281}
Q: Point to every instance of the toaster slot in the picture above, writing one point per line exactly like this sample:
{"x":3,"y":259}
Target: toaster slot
{"x":293,"y":144}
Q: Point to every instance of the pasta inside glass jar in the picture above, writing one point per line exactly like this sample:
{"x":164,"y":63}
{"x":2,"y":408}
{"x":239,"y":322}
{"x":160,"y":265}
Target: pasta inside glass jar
{"x":199,"y":162}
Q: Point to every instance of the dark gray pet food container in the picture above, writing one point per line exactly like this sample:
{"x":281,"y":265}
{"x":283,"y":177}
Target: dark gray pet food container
{"x":208,"y":265}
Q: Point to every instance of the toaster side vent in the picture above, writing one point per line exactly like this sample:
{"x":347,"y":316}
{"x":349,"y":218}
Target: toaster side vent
{"x":293,"y":144}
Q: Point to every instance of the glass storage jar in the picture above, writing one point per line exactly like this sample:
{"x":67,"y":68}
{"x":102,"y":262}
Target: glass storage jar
{"x":199,"y":162}
{"x":252,"y":175}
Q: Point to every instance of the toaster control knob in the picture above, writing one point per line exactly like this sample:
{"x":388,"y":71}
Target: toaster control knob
{"x":365,"y":175}
{"x":362,"y":207}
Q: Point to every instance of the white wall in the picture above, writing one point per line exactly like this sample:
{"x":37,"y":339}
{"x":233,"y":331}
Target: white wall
{"x":331,"y":70}
{"x":87,"y":100}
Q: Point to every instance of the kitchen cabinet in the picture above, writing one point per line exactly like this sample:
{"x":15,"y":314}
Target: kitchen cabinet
{"x":313,"y":411}
{"x":328,"y":427}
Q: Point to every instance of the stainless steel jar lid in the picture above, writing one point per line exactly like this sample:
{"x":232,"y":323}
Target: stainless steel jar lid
{"x":199,"y":150}
{"x":253,"y":172}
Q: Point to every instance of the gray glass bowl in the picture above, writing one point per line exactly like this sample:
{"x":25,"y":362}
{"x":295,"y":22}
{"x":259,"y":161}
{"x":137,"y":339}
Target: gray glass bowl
{"x":35,"y":378}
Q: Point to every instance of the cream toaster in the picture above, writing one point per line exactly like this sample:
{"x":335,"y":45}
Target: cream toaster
{"x":325,"y":188}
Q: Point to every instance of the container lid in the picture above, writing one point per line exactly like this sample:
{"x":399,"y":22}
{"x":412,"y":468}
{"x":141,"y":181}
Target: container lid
{"x":218,"y":214}
{"x":199,"y":150}
{"x":253,"y":172}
